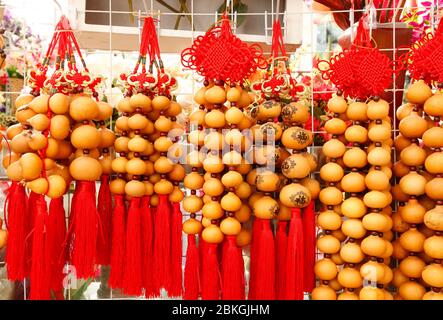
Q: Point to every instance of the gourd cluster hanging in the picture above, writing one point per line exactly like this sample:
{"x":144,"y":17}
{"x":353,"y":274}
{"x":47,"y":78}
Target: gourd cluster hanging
{"x":146,"y":244}
{"x":356,"y":251}
{"x":55,"y":140}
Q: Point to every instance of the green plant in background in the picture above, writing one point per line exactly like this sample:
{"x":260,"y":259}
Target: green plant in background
{"x":22,"y":45}
{"x":237,"y":6}
{"x":183,"y":9}
{"x":79,"y":293}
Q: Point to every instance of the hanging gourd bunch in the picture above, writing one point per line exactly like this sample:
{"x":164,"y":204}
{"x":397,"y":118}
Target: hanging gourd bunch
{"x":146,"y":259}
{"x":218,"y":148}
{"x":419,"y":143}
{"x":42,"y":159}
{"x":365,"y":254}
{"x":278,"y":269}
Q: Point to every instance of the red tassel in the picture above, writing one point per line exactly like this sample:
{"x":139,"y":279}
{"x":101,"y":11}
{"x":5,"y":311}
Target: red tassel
{"x":83,"y":230}
{"x":30,"y":219}
{"x":265,"y":262}
{"x":132,"y":278}
{"x":210,"y":283}
{"x":56,"y":233}
{"x":176,"y":289}
{"x":118,"y":243}
{"x":233,"y":281}
{"x":309,"y":245}
{"x":162,"y":244}
{"x":201,"y":250}
{"x":104,"y":207}
{"x":192,"y":270}
{"x":16,"y":223}
{"x":147,"y":236}
{"x":295,"y":257}
{"x":281,"y":242}
{"x":256,"y":226}
{"x":40,"y":273}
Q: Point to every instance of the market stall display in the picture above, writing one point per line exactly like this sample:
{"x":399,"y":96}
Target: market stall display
{"x":220,"y":203}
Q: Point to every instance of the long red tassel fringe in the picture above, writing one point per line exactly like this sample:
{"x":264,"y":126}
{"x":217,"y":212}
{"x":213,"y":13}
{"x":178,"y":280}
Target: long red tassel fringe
{"x":147,"y":248}
{"x":192,"y":270}
{"x":56,"y":233}
{"x":30,"y":217}
{"x":176,"y":289}
{"x":132,"y":278}
{"x":162,"y":244}
{"x":295,"y":258}
{"x":40,"y":275}
{"x":233,"y":277}
{"x":15,"y":219}
{"x":265,"y":262}
{"x":210,"y":283}
{"x":256,"y":226}
{"x":104,"y":207}
{"x":309,"y":245}
{"x":84,"y":227}
{"x":281,"y":242}
{"x":118,"y":242}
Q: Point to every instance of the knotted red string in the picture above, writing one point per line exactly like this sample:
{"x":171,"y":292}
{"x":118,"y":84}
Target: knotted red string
{"x":426,"y":57}
{"x":219,"y":54}
{"x":361,"y":71}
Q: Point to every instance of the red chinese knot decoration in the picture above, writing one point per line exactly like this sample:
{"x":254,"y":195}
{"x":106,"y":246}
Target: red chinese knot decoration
{"x":220,"y":55}
{"x":361,"y":71}
{"x":426,"y":56}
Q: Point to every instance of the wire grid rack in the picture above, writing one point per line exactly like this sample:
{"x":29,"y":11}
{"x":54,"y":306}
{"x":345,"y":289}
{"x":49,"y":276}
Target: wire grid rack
{"x":309,"y":39}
